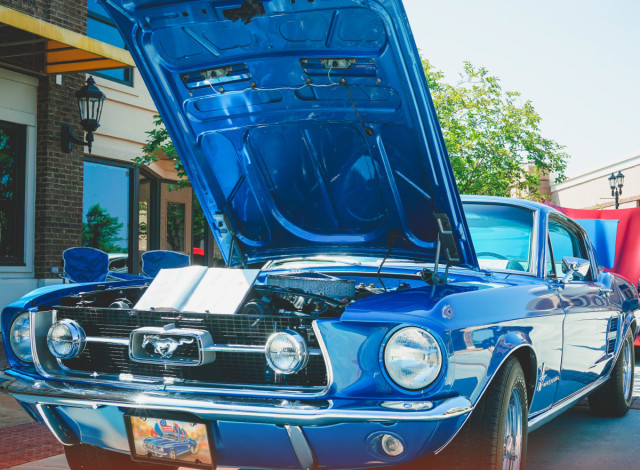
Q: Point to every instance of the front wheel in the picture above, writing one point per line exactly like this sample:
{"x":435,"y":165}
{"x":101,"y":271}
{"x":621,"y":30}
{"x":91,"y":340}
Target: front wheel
{"x":614,"y":398}
{"x":495,"y":436}
{"x":86,"y":457}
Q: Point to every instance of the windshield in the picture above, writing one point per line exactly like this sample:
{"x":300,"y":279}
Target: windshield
{"x":502,"y":235}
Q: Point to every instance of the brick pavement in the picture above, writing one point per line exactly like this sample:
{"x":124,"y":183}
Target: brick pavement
{"x":22,"y":439}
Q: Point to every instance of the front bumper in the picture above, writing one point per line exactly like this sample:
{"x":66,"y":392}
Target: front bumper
{"x":330,"y":434}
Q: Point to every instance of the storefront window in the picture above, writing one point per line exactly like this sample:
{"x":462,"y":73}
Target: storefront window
{"x":144,"y":214}
{"x":100,"y":26}
{"x":199,"y":235}
{"x":105,"y":207}
{"x":175,"y":226}
{"x":12,"y":158}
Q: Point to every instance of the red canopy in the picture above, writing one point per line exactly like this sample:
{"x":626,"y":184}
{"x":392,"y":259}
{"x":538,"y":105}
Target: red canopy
{"x":627,"y":253}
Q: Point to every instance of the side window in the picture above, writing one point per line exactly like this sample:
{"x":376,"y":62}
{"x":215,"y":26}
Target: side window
{"x":565,"y":242}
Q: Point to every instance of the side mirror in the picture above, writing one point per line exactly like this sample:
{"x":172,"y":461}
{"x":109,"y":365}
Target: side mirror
{"x":571,"y":265}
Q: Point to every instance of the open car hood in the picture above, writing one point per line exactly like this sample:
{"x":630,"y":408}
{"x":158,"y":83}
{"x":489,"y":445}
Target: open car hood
{"x":305,"y":127}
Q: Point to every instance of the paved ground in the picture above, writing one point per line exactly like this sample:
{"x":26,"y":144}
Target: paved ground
{"x":575,"y":440}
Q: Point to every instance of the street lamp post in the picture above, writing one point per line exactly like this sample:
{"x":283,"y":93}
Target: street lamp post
{"x":616,"y":182}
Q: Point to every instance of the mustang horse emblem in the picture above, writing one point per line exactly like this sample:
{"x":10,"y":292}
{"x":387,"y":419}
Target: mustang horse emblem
{"x":164,"y":345}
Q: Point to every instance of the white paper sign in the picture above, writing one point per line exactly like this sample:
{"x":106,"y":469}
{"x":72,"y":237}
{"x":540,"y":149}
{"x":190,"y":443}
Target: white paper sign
{"x":198,"y":289}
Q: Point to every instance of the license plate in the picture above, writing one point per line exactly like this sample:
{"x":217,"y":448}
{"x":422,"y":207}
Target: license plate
{"x":164,"y":439}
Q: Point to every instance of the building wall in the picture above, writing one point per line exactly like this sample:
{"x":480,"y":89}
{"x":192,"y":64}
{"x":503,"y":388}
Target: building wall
{"x":58,"y":187}
{"x":59,"y":175}
{"x":18,"y":104}
{"x":54,"y":192}
{"x":126,"y":117}
{"x":591,"y":189}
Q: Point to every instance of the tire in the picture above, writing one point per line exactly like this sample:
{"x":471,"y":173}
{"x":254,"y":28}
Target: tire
{"x":172,"y":455}
{"x":86,"y":457}
{"x":495,"y":436}
{"x":614,"y":398}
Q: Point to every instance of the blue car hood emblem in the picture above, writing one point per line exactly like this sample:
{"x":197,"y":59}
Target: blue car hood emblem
{"x":305,"y":127}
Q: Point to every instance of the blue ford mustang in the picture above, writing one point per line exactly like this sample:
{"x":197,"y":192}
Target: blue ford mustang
{"x":387,"y":321}
{"x":170,"y":445}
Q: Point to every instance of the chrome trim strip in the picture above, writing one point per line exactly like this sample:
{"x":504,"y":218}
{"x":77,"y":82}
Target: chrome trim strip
{"x":325,"y":356}
{"x":60,"y":431}
{"x":107,"y":340}
{"x":301,"y":413}
{"x":563,"y":405}
{"x":301,"y":448}
{"x":239,"y":348}
{"x":231,"y":348}
{"x":236,"y":348}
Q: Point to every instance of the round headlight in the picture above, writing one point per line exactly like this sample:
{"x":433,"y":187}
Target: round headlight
{"x":286,"y":352}
{"x":20,"y":338}
{"x":412,"y":358}
{"x":66,"y":339}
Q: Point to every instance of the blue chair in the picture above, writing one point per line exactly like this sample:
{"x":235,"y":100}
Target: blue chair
{"x":155,"y":260}
{"x":83,"y":264}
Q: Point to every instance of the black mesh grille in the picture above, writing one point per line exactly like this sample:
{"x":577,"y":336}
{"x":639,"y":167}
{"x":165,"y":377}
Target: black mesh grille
{"x":229,"y":368}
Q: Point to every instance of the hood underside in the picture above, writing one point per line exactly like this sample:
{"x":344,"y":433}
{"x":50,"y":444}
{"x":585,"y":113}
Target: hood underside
{"x":305,"y":127}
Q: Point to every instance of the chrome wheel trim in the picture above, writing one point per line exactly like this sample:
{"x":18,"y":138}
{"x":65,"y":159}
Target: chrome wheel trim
{"x":627,"y":372}
{"x":512,"y":451}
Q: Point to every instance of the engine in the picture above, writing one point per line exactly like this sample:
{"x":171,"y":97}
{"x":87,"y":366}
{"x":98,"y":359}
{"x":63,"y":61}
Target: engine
{"x":300,"y":294}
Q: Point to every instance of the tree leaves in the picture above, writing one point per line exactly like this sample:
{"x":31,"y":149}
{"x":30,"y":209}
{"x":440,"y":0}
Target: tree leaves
{"x":159,"y":146}
{"x":493,"y":138}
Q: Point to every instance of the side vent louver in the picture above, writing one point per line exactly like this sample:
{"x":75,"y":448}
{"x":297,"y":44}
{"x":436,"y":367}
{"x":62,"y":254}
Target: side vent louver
{"x":613,"y":326}
{"x":611,"y":346}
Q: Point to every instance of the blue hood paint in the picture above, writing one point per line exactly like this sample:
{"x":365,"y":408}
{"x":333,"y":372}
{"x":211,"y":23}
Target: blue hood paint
{"x":305,"y":127}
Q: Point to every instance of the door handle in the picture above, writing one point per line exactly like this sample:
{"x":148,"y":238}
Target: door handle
{"x":603,"y":292}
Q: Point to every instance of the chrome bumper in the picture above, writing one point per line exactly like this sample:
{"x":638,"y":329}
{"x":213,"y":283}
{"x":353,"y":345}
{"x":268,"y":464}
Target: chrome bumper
{"x":214,"y":407}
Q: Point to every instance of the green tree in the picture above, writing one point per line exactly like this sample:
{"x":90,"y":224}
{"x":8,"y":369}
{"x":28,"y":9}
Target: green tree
{"x":101,"y":230}
{"x":492,"y":136}
{"x":159,"y":145}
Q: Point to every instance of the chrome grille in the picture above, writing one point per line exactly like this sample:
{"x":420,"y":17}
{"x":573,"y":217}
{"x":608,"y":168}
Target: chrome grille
{"x":229,"y":368}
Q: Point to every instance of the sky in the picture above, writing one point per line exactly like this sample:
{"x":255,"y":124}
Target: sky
{"x":578,"y":62}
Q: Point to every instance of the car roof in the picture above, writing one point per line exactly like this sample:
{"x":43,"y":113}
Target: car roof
{"x":532,"y":205}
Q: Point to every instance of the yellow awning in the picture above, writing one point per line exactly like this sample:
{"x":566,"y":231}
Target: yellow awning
{"x":66,"y":50}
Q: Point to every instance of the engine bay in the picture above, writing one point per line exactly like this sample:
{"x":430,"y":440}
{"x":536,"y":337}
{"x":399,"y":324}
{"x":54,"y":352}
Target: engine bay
{"x":309,"y":294}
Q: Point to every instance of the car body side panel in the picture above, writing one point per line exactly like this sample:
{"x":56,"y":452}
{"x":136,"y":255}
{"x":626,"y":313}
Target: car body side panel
{"x":585,"y":349}
{"x":524,"y":312}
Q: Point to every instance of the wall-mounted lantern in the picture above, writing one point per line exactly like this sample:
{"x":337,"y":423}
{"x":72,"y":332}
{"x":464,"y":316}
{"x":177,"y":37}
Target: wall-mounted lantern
{"x":90,"y":101}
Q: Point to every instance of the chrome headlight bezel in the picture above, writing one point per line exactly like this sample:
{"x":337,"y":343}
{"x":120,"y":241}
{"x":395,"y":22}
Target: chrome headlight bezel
{"x":77,"y":339}
{"x":298,"y":346}
{"x":433,"y":351}
{"x":23,"y":350}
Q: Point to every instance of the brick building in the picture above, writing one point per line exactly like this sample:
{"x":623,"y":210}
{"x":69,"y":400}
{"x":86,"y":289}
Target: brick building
{"x":48,"y":48}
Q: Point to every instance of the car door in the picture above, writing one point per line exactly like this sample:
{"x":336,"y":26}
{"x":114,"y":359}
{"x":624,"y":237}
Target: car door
{"x":589,"y":313}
